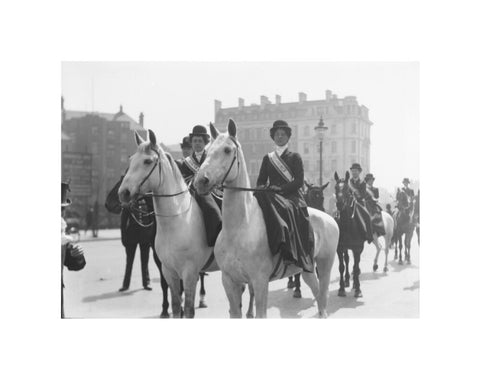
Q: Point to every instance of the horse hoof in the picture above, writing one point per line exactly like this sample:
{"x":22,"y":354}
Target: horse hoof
{"x":385,"y":269}
{"x":323,"y":314}
{"x":297,"y":294}
{"x":375,"y":267}
{"x":249,"y":315}
{"x":291,"y":285}
{"x":358,"y":293}
{"x":202,"y":304}
{"x":341,"y":292}
{"x":165,"y":314}
{"x":400,"y":263}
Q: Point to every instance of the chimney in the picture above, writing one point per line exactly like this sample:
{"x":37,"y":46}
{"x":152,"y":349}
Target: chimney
{"x":62,"y":104}
{"x":140,"y":119}
{"x":278,"y":99}
{"x":241,"y":102}
{"x":302,"y":97}
{"x":218,"y":105}
{"x":328,"y":94}
{"x":264,"y":101}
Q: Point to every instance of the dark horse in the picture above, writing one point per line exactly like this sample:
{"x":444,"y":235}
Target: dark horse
{"x":416,"y":216}
{"x":404,"y":225}
{"x":351,"y":234}
{"x":314,"y":198}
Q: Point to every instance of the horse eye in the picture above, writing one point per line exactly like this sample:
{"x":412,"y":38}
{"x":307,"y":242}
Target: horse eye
{"x":228,"y":150}
{"x":148,"y":161}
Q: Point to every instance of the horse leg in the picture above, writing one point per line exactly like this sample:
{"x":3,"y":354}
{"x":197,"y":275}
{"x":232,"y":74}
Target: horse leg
{"x":250,"y":302}
{"x":377,"y":246}
{"x":347,"y":273}
{"x":164,"y":286}
{"x":324,"y":269}
{"x":260,"y":288}
{"x":356,"y":272}
{"x":341,"y":268}
{"x":202,"y":303}
{"x":297,"y":293}
{"x":173,"y":281}
{"x":387,"y":245}
{"x":234,"y":295}
{"x":400,"y":243}
{"x":291,"y":283}
{"x":190,"y":280}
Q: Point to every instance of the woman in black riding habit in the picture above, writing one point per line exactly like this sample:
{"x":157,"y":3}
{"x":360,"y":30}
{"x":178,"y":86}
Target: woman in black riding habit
{"x":288,"y":227}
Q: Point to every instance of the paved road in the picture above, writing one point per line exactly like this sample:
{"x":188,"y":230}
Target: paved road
{"x":93,"y":292}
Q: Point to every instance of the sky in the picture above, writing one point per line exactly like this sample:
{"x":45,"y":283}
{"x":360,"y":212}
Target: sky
{"x":175,"y":96}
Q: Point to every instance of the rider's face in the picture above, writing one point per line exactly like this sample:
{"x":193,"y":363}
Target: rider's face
{"x":280,"y":137}
{"x":355,"y":173}
{"x":198,"y":144}
{"x":186,"y":151}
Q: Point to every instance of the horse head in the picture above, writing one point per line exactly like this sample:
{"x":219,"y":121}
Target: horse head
{"x":141,"y":176}
{"x":315,"y":197}
{"x":342,"y":191}
{"x":222,"y":164}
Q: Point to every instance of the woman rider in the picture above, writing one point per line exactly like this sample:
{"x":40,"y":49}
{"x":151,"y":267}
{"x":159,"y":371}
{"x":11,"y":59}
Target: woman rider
{"x":284,"y":208}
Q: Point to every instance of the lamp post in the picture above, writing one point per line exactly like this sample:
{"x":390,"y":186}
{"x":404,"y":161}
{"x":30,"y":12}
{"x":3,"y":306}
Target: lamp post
{"x":320,"y":130}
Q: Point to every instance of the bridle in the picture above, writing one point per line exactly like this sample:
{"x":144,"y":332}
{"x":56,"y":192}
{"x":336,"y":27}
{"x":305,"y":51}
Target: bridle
{"x":235,"y":158}
{"x":131,"y":205}
{"x":351,"y":194}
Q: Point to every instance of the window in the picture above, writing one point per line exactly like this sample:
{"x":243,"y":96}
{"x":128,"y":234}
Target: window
{"x":259,"y":134}
{"x":354,"y":128}
{"x":333,"y":130}
{"x":306,"y":149}
{"x":354,"y":146}
{"x":334,"y":147}
{"x":306,"y":131}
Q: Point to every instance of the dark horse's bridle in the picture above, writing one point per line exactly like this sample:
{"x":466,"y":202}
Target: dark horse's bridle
{"x":350,"y":191}
{"x":131,"y":205}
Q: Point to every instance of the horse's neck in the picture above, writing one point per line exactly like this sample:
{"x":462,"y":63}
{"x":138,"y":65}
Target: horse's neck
{"x":167,"y":207}
{"x":237,"y":205}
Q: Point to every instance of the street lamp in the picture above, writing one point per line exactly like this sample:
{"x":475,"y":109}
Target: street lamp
{"x":320,"y":130}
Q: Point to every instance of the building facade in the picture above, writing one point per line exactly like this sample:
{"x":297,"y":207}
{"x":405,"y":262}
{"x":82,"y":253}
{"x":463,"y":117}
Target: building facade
{"x":95,"y":151}
{"x":346,"y":141}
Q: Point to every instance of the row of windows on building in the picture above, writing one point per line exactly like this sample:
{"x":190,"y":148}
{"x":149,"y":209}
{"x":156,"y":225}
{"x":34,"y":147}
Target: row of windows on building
{"x":291,"y":113}
{"x":309,"y":147}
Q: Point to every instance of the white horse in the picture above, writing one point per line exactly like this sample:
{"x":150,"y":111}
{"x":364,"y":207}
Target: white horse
{"x":180,"y":241}
{"x":242,"y":251}
{"x":388,"y":223}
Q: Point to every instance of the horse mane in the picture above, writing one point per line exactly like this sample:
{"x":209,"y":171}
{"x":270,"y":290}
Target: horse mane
{"x":147,"y":148}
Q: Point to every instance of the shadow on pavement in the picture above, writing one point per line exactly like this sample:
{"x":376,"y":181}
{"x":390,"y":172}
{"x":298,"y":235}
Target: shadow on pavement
{"x":109,"y":295}
{"x":336,"y":302}
{"x":288,"y":306}
{"x":413,"y":287}
{"x":397,"y":268}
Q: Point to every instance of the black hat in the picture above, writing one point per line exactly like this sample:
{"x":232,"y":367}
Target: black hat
{"x":186,"y":143}
{"x":200,"y":130}
{"x":356,"y":166}
{"x":406,"y":180}
{"x":65,"y":202}
{"x":369,"y":176}
{"x":280,"y":124}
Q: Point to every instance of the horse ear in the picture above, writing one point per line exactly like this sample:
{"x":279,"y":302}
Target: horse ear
{"x":213,"y":131}
{"x":347,"y":176}
{"x":335,"y":176}
{"x":152,"y":138}
{"x":232,"y":128}
{"x":138,"y":139}
{"x":325,"y":186}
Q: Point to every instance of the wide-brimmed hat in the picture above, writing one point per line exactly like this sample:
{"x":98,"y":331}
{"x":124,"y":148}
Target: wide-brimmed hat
{"x":369,"y":176}
{"x":201,"y":131}
{"x":280,"y":124}
{"x":406,"y":180}
{"x":186,"y":143}
{"x":356,"y":166}
{"x":65,"y":202}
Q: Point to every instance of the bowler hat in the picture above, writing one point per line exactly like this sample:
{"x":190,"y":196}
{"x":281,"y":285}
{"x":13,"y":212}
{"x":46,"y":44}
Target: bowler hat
{"x":369,"y":176}
{"x":406,"y":180}
{"x":65,"y":202}
{"x":201,"y":131}
{"x":280,"y":124}
{"x":356,"y":166}
{"x":185,"y":143}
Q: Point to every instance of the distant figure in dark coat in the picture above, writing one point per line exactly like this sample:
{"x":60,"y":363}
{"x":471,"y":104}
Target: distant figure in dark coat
{"x":373,"y":208}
